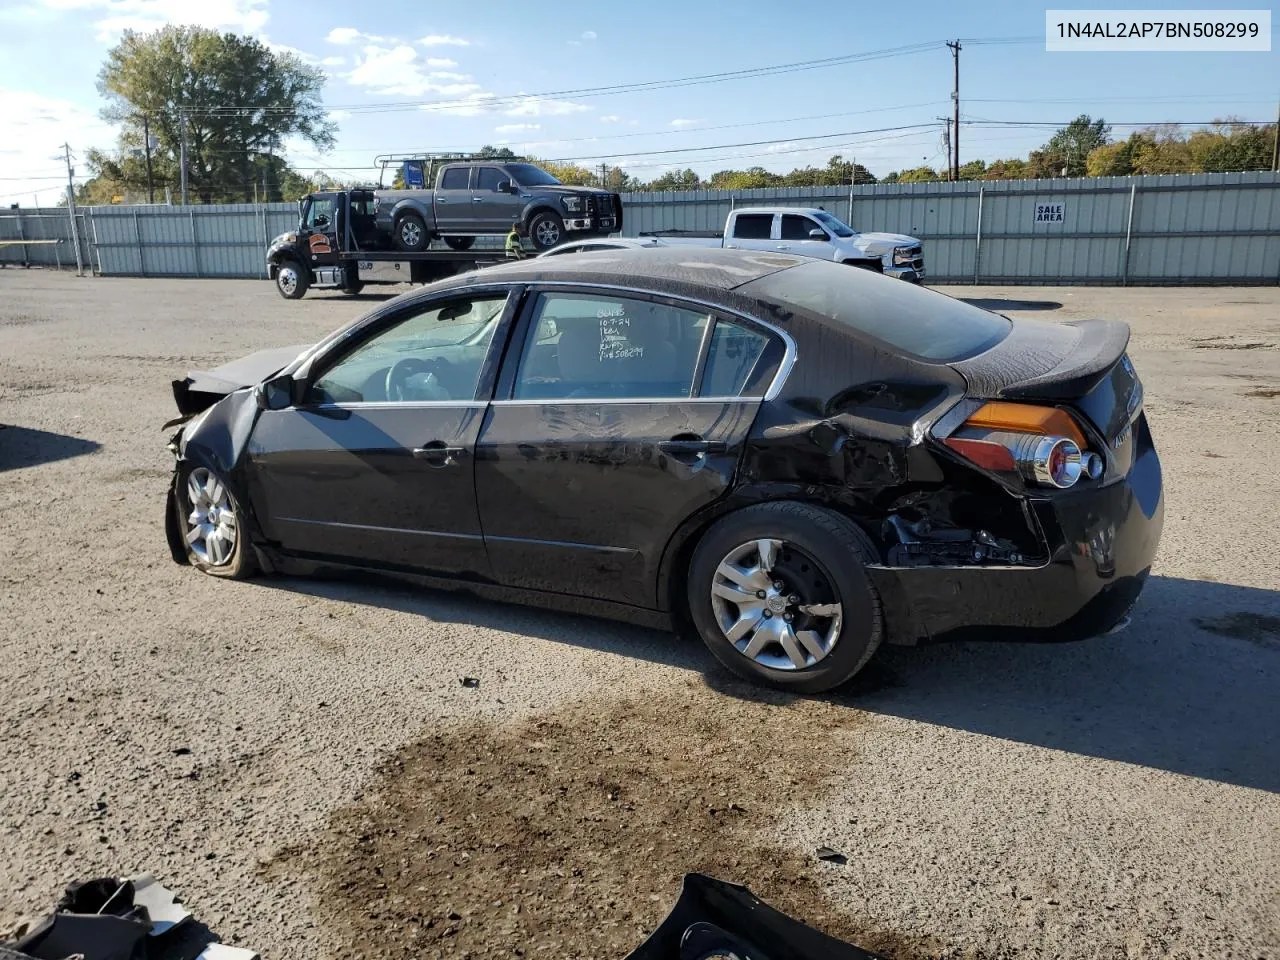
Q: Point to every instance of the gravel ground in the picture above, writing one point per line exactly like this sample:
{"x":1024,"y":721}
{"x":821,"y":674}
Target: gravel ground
{"x":299,"y":760}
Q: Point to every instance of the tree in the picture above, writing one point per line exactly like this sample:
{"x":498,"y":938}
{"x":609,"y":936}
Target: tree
{"x":239,"y":101}
{"x":1232,"y":145}
{"x":918,"y":175}
{"x":750,"y":179}
{"x":973,"y":170}
{"x":1070,"y":147}
{"x":685,"y":179}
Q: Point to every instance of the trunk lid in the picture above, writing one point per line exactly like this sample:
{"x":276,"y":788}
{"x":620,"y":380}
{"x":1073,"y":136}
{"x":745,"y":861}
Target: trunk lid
{"x":1081,"y":363}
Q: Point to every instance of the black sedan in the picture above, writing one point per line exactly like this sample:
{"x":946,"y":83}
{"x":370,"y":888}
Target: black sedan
{"x":798,"y":459}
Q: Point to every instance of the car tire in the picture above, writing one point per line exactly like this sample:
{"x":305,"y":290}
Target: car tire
{"x":835,"y":616}
{"x":411,"y":233}
{"x":459,"y":243}
{"x":217,"y":546}
{"x":292,"y":279}
{"x":546,"y":230}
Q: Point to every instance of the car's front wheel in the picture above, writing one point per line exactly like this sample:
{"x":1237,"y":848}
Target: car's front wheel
{"x":411,"y":233}
{"x":213,"y":525}
{"x":780,"y":594}
{"x":546,"y":229}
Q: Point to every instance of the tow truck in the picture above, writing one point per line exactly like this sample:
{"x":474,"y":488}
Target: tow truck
{"x":338,"y":246}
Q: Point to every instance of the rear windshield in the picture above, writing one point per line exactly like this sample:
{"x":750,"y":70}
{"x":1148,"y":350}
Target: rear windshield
{"x":903,"y":315}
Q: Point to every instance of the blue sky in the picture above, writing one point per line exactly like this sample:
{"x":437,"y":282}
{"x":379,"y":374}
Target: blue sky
{"x":464,"y":54}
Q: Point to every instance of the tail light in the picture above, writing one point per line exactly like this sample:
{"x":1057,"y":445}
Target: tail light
{"x":1040,"y":445}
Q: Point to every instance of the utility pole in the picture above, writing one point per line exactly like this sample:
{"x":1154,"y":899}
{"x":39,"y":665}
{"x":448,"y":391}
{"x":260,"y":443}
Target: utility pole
{"x":146,"y":144}
{"x":955,"y":100}
{"x":946,"y":144}
{"x":1275,"y":145}
{"x":182,"y":152}
{"x":71,"y":208}
{"x":604,"y":174}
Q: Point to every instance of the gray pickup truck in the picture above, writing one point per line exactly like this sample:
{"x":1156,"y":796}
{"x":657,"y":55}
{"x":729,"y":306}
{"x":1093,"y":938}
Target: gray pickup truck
{"x":485,"y":198}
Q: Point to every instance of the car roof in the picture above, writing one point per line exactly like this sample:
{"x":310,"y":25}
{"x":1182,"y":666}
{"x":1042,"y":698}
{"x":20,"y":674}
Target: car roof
{"x":708,"y":268}
{"x":773,"y":210}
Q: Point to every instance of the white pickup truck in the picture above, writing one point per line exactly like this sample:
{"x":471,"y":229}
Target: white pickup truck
{"x":808,"y":232}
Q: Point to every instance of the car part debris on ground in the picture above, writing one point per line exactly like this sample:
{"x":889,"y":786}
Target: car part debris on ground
{"x":127,"y":918}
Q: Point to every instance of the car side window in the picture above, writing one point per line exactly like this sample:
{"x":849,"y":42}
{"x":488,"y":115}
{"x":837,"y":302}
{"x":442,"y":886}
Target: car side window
{"x":609,"y":348}
{"x":796,"y":227}
{"x":455,"y":178}
{"x":435,"y":353}
{"x":488,"y":178}
{"x":321,"y":207}
{"x":741,"y":361}
{"x":752,"y":226}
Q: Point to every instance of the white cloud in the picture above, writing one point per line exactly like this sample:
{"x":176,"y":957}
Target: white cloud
{"x":347,"y":35}
{"x":516,"y":127}
{"x":610,"y":118}
{"x":471,"y":105}
{"x":334,"y":61}
{"x":588,"y":35}
{"x":302,"y":55}
{"x":33,"y":128}
{"x":398,"y":70}
{"x":443,"y":63}
{"x":113,"y":17}
{"x":337,"y":115}
{"x":540,"y":107}
{"x":442,"y":40}
{"x":682,"y":122}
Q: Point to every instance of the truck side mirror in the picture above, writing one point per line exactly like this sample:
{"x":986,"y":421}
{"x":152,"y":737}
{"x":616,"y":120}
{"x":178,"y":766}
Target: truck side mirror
{"x":506,"y":186}
{"x":817,"y":233}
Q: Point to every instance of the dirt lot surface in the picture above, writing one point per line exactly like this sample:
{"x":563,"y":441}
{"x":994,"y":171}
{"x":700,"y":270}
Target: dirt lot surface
{"x":300,"y":761}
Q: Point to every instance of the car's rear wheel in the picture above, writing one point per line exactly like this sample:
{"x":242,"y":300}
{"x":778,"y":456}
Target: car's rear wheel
{"x":292,"y":280}
{"x":546,"y":230}
{"x":459,"y":243}
{"x":411,"y":233}
{"x":780,"y":594}
{"x":213,"y":525}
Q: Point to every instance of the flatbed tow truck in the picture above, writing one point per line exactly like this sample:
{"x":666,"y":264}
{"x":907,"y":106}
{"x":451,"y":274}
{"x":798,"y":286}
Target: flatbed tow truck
{"x":337,"y":246}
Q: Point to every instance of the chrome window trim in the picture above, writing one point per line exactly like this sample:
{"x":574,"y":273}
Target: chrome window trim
{"x":599,"y":401}
{"x":397,"y":404}
{"x":789,"y":353}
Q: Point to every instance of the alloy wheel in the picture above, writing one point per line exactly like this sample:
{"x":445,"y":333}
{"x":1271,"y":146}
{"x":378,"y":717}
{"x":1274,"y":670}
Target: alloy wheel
{"x":776,"y":605}
{"x":410,"y":233}
{"x":211,"y":524}
{"x":548,"y":233}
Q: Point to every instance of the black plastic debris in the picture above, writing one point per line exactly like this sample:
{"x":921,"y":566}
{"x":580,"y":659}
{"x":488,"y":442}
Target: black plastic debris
{"x":470,"y":682}
{"x":110,"y":918}
{"x":715,"y":919}
{"x":828,"y":855}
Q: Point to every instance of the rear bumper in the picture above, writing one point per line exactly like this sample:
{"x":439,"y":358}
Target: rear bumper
{"x":1102,"y":542}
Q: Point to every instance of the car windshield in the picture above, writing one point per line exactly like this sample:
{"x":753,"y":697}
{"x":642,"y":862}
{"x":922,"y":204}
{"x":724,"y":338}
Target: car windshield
{"x":905,"y":316}
{"x":527,"y":175}
{"x":834,"y":224}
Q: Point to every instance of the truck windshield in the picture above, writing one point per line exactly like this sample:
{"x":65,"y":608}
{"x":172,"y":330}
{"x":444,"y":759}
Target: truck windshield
{"x":834,"y":224}
{"x":907,"y":317}
{"x":527,"y":175}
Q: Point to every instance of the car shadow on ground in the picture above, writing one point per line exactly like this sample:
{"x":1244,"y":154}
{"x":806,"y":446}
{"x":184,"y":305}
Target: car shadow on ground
{"x":25,"y":447}
{"x":1190,"y":687}
{"x":1000,"y":304}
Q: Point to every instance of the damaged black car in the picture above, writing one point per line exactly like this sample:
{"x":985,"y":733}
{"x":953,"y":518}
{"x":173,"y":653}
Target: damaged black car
{"x":798,"y":460}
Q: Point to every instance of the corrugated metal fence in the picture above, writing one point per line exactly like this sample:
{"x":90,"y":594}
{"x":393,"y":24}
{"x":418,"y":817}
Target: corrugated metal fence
{"x":1202,"y":228}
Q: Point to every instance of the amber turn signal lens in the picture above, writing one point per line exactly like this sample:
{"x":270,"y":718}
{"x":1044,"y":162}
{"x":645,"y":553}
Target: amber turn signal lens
{"x":1026,"y":418}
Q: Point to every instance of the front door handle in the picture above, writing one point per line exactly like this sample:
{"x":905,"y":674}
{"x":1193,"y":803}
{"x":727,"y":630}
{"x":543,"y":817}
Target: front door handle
{"x":783,"y":246}
{"x":477,"y":199}
{"x":437,"y":453}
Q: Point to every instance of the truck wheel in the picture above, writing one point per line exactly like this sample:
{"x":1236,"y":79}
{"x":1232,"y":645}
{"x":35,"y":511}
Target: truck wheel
{"x":546,"y":229}
{"x":292,"y":280}
{"x":411,"y":233}
{"x":459,"y":243}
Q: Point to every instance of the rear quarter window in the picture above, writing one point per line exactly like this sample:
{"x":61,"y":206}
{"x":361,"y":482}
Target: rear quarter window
{"x":910,"y":318}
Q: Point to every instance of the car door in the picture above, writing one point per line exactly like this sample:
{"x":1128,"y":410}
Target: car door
{"x":620,"y":415}
{"x":794,"y":236}
{"x":751,"y":231}
{"x":320,"y":222}
{"x":452,"y":198}
{"x":375,"y":465}
{"x":495,"y":210}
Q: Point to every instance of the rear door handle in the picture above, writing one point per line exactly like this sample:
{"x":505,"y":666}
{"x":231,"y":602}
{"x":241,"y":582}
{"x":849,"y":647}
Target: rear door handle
{"x":439,"y":454}
{"x":689,"y":448}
